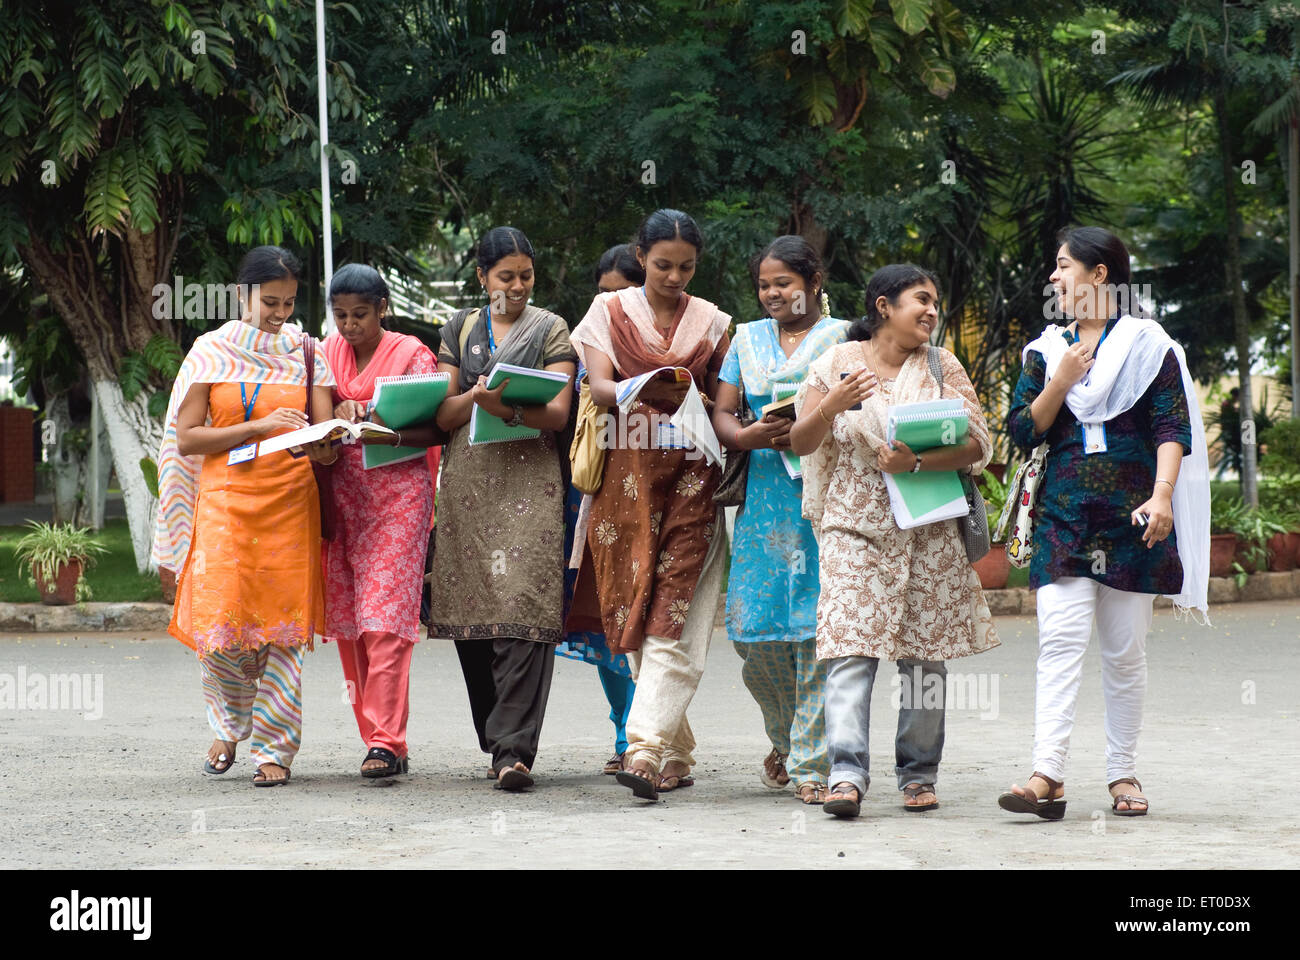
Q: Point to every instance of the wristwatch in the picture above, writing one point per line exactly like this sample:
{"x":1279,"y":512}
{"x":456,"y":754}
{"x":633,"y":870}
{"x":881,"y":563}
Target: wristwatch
{"x":518,"y":419}
{"x":917,"y":467}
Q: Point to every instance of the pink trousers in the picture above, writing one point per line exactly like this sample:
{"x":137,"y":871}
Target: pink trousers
{"x":377,"y":671}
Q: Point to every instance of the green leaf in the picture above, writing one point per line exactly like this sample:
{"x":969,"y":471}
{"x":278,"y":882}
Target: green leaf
{"x":938,"y":76}
{"x":140,"y":180}
{"x":164,"y":355}
{"x":854,"y":15}
{"x":132,"y":375}
{"x":107,"y":204}
{"x":912,"y":15}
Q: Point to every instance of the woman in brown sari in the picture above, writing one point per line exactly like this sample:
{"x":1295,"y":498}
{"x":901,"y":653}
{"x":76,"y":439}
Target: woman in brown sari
{"x":655,"y":534}
{"x":498,"y":564}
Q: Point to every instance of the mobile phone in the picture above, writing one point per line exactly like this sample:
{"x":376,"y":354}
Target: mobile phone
{"x":856,"y":406}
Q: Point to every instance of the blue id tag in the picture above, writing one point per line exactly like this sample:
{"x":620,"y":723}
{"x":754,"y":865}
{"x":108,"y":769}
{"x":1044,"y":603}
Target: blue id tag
{"x":1094,"y":438}
{"x":242,"y":453}
{"x":672,"y":438}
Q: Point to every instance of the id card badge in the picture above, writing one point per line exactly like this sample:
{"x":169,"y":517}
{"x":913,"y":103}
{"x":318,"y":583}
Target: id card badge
{"x":1094,"y":438}
{"x":671,"y":438}
{"x":242,"y":453}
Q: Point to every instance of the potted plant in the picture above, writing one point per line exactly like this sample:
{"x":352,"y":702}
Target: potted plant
{"x":166,"y":575}
{"x":994,"y":568}
{"x":1281,"y":542}
{"x":1254,"y":529}
{"x":56,"y":557}
{"x":1225,"y":513}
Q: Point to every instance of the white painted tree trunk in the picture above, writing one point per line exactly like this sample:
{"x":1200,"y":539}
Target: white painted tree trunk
{"x":133,"y":435}
{"x":64,"y":461}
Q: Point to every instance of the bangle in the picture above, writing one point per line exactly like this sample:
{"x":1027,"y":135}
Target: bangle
{"x":823,"y":415}
{"x":1163,"y":480}
{"x":917,"y":467}
{"x":398,"y":443}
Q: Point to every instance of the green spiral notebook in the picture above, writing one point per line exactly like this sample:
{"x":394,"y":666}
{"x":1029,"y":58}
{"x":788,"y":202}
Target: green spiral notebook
{"x":929,"y":496}
{"x":527,"y":387}
{"x":400,"y":402}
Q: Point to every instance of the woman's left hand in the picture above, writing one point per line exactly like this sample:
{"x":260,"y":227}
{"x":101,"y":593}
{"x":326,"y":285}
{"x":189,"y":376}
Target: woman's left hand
{"x":898,"y":459}
{"x":1159,"y":513}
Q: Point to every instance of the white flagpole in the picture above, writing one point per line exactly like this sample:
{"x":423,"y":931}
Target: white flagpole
{"x":327,"y":324}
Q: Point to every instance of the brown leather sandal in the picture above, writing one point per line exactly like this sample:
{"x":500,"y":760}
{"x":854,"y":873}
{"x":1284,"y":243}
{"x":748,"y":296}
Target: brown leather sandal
{"x":773,"y":773}
{"x":839,"y":804}
{"x":1115,"y":798}
{"x":811,"y":792}
{"x":1048,"y":807}
{"x":914,"y":790}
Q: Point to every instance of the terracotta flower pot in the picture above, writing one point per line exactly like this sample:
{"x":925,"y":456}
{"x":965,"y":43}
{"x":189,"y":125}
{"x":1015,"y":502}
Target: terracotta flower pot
{"x":63,"y":589}
{"x":1223,"y":546}
{"x":1248,"y":563}
{"x":167,"y":577}
{"x":1281,"y":553}
{"x":993,"y":568}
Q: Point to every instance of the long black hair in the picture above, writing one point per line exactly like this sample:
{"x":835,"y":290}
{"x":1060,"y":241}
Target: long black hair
{"x":360,"y":279}
{"x":623,"y":259}
{"x":499,"y":243}
{"x":1094,"y":245}
{"x":797,"y":254}
{"x":668,"y":225}
{"x":264,"y":264}
{"x":888,"y":282}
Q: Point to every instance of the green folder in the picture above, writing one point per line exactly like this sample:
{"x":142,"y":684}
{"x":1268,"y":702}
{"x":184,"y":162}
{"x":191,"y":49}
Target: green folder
{"x":934,"y":423}
{"x":400,"y":402}
{"x":929,"y":496}
{"x":527,"y":387}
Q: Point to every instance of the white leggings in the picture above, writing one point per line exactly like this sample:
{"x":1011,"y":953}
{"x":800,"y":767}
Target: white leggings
{"x":1066,"y":611}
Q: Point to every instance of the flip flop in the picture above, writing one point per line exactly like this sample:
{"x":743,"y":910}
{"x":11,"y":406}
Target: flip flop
{"x":683,"y":781}
{"x":210,"y":769}
{"x":512,"y":778}
{"x":267,"y":782}
{"x":914,"y":790}
{"x":613,"y":765}
{"x":843,"y":807}
{"x":641,"y":787}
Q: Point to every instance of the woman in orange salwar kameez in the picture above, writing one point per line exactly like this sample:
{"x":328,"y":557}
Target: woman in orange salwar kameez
{"x":244,"y":530}
{"x":374,"y":566}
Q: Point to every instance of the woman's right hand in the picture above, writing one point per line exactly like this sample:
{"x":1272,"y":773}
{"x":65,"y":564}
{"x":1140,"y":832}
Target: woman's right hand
{"x":1074,"y":366}
{"x":284,"y":418}
{"x":851,"y":390}
{"x":770,"y":432}
{"x":353,"y":411}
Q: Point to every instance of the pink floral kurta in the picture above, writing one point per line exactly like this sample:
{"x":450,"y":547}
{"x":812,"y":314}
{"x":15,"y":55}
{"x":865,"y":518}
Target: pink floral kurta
{"x":374,"y":567}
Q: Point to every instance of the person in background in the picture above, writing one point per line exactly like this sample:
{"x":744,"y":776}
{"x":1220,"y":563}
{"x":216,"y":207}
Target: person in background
{"x":498,"y":562}
{"x":773,"y":586}
{"x":618,"y":268}
{"x":374,"y":566}
{"x":245,"y":530}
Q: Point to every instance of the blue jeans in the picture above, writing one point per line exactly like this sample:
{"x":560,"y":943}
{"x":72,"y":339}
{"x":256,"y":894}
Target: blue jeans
{"x":919,"y":742}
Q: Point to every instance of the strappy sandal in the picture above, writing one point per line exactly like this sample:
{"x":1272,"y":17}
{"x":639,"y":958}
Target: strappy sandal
{"x":643,"y":783}
{"x":773,"y":773}
{"x":1127,"y":798}
{"x":670,"y":783}
{"x":810,"y":792}
{"x":914,"y":790}
{"x":210,"y":768}
{"x":395,"y":764}
{"x":1047,"y":807}
{"x":260,"y":779}
{"x":842,"y":806}
{"x":613,"y":765}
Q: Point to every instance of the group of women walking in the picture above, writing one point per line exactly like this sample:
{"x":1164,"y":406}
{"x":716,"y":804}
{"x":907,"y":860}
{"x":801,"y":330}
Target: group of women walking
{"x":823,"y":582}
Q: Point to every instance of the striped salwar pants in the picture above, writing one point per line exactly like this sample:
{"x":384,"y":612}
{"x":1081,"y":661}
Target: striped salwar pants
{"x":256,"y":693}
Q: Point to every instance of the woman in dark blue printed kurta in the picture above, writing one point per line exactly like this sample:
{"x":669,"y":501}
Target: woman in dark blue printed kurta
{"x":1111,"y":396}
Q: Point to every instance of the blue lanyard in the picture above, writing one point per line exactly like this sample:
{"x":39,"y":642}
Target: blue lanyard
{"x":248,"y":407}
{"x":492,"y":342}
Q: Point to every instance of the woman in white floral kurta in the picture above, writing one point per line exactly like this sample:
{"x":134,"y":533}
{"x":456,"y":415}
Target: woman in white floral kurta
{"x":904,"y":595}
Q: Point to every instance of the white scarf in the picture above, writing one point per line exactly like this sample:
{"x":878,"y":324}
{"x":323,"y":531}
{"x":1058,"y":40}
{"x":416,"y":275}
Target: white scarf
{"x":1117,"y":380}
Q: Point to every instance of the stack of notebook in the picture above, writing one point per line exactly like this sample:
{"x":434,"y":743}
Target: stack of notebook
{"x":932,"y":495}
{"x":527,"y":387}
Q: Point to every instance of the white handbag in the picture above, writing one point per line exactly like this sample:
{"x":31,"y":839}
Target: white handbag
{"x":1023,"y":499}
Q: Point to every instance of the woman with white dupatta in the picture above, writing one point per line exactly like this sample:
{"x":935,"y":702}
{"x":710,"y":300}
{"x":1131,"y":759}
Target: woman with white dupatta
{"x":1123,"y":511}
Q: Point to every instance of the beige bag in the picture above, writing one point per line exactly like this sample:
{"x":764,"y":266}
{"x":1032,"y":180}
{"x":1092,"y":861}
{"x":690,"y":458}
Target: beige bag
{"x":586,"y":455}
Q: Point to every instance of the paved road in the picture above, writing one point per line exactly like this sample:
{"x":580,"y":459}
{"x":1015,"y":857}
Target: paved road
{"x":1219,"y":759}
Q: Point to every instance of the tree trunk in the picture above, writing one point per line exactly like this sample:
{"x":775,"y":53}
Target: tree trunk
{"x":1240,"y":318}
{"x":132,"y":435}
{"x":1293,"y":195}
{"x":65,"y":461}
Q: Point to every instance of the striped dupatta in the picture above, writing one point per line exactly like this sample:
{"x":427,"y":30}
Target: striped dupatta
{"x":234,"y":353}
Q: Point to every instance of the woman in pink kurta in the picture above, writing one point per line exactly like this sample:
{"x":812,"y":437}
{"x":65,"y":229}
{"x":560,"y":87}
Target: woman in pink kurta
{"x":374,"y":566}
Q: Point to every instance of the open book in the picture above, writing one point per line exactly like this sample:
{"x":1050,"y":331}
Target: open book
{"x":335,"y":431}
{"x":689,"y":426}
{"x":528,"y":386}
{"x":932,"y":495}
{"x":401,"y":402}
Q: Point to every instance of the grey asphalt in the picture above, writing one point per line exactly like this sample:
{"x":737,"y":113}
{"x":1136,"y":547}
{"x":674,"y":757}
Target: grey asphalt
{"x":1218,"y":759}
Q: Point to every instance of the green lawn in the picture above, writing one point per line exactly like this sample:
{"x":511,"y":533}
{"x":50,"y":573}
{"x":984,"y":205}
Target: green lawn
{"x":112,"y":579}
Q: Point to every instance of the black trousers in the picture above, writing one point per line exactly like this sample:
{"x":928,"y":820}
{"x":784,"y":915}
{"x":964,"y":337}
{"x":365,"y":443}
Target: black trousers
{"x":508,"y":681}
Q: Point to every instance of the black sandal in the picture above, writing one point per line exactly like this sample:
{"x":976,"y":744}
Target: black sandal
{"x":643,"y":784}
{"x":842,"y":806}
{"x":914,"y":790}
{"x":395,"y":766}
{"x":1045,"y":807}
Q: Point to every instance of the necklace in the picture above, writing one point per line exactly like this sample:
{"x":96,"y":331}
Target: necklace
{"x":794,"y":337}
